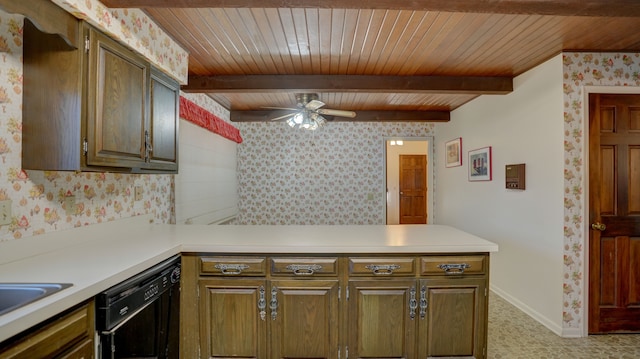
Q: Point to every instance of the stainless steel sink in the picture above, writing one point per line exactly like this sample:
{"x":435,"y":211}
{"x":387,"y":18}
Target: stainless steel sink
{"x":16,"y":295}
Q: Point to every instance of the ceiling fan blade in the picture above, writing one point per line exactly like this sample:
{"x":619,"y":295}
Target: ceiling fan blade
{"x":313,"y":105}
{"x":339,"y":113}
{"x":280,"y":108}
{"x":283,"y":116}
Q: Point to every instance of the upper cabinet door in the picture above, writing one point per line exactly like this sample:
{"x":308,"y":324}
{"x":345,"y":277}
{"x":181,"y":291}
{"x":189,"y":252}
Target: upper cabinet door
{"x":117,"y":104}
{"x":163,"y":128}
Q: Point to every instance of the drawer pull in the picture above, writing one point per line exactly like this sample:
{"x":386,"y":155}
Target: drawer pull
{"x":382,"y":269}
{"x":454,"y":268}
{"x":304,"y":269}
{"x":231,"y":269}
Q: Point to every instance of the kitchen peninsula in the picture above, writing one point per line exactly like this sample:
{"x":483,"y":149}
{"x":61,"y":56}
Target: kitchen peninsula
{"x":413,"y":275}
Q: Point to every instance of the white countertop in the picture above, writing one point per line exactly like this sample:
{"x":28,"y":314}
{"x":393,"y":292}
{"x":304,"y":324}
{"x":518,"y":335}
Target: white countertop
{"x":96,"y":257}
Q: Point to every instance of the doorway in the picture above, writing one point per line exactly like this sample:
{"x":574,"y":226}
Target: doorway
{"x":614,"y":215}
{"x":408,"y":147}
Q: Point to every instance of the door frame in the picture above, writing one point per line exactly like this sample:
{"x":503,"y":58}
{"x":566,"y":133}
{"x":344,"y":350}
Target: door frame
{"x":587,"y":90}
{"x":430,"y":173}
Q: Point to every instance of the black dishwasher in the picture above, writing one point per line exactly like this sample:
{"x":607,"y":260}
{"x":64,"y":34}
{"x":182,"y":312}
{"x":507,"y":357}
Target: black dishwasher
{"x":140,"y":317}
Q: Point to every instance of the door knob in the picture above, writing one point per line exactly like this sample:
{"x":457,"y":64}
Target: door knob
{"x":599,"y":226}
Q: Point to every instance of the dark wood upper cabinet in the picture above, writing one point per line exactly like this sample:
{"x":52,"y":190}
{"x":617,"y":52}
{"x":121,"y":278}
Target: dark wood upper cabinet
{"x":99,"y":107}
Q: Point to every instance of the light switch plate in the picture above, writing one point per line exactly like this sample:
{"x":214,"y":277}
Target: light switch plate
{"x":70,"y":205}
{"x":5,"y":212}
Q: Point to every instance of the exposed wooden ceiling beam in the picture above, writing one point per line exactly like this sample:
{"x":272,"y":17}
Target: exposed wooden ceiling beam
{"x":361,"y":116}
{"x":624,"y":8}
{"x":351,"y":83}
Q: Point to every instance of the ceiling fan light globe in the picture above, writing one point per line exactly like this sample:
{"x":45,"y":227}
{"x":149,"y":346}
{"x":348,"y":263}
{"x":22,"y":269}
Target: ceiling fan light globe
{"x":298,"y":118}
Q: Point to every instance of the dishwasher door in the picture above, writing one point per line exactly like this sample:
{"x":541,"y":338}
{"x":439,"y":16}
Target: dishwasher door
{"x":140,"y":317}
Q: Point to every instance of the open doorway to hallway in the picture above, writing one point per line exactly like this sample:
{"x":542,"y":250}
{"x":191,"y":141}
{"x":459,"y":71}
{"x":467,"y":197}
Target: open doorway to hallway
{"x":409,"y":173}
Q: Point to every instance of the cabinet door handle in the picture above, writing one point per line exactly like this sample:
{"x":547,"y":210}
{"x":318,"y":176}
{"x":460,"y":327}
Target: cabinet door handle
{"x":382,"y":269}
{"x":304,"y":269}
{"x":413,"y":303}
{"x":274,"y":303}
{"x":231,"y":269}
{"x":148,"y":148}
{"x":423,"y":302}
{"x":454,"y":268}
{"x":262,"y":304}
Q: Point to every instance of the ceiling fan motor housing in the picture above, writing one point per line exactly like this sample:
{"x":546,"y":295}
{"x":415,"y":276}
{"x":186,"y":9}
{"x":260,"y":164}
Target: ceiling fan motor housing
{"x":304,"y":98}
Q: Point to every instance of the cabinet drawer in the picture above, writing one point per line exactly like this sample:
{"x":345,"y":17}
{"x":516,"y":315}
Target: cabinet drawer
{"x":58,"y":336}
{"x":307,"y":266}
{"x":233,"y":266}
{"x":453,"y":265}
{"x":382,"y":267}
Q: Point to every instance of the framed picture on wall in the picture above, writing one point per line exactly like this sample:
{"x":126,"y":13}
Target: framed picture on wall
{"x":480,"y":164}
{"x":453,"y":153}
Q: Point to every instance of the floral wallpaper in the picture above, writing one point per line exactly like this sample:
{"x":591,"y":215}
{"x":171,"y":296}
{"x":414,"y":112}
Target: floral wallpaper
{"x":583,"y":69}
{"x":37,"y":197}
{"x":334,"y":175}
{"x":133,"y":27}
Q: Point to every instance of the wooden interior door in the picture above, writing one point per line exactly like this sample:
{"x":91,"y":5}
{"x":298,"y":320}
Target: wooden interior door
{"x":614,"y":200}
{"x":413,"y":189}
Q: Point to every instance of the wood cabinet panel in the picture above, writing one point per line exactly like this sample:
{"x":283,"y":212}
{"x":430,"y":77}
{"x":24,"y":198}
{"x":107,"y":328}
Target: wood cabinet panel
{"x":380,"y":320}
{"x":307,"y":322}
{"x":381,"y":266}
{"x":91,"y":108}
{"x":453,"y":265}
{"x":51,"y":102}
{"x":353,"y":313}
{"x":233,"y":266}
{"x":231,"y":324}
{"x":68,"y":336}
{"x":305,"y":266}
{"x":455,"y":321}
{"x":164,"y":110}
{"x":116,"y":103}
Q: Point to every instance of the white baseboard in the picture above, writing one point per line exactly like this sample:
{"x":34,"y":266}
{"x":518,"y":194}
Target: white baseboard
{"x":549,"y":324}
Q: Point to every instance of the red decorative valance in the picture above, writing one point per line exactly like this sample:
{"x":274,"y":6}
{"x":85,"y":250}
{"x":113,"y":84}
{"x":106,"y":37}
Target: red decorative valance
{"x":205,"y":119}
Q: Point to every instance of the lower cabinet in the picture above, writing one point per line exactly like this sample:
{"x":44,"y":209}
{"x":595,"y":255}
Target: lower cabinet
{"x":382,"y":321}
{"x":69,"y":336}
{"x":455,"y":322}
{"x":334,"y":307}
{"x":230,"y":320}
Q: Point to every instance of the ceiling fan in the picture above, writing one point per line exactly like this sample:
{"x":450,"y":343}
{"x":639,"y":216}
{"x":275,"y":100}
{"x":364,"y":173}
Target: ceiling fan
{"x":308,"y":114}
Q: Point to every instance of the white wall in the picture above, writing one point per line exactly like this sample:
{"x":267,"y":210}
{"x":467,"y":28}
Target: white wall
{"x":206,"y":188}
{"x":525,"y":126}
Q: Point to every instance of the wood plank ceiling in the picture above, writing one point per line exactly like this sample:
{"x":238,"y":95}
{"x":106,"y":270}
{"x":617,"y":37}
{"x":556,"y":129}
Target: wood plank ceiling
{"x":387,"y":60}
